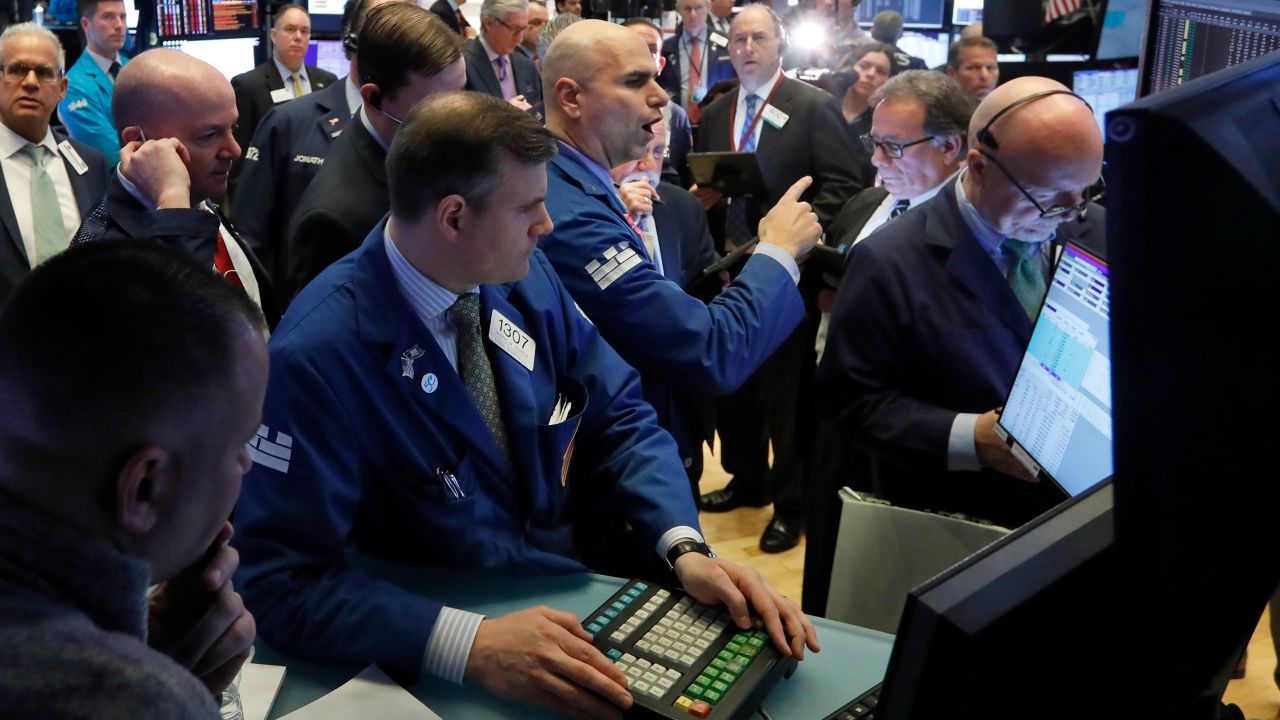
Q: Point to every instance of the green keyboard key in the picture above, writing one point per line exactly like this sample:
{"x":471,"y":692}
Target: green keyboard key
{"x":732,"y":647}
{"x":749,"y":650}
{"x":711,"y":696}
{"x":720,"y":687}
{"x":728,"y":677}
{"x":742,"y":660}
{"x":711,"y":673}
{"x":694,"y":691}
{"x":718,"y":663}
{"x":702,"y":680}
{"x":735,"y":667}
{"x":726,"y":656}
{"x":755,"y":642}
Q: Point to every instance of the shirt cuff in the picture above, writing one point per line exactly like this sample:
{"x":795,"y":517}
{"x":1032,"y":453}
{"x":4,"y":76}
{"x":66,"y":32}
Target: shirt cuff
{"x":450,"y":644}
{"x":783,"y":257}
{"x":962,"y":450}
{"x":670,"y":537}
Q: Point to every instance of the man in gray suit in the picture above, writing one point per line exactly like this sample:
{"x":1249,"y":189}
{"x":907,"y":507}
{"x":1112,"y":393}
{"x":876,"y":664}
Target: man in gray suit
{"x":48,"y":181}
{"x":493,"y":66}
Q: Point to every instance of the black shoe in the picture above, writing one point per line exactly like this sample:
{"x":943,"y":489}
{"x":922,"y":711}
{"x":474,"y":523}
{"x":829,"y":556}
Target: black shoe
{"x":781,"y":535}
{"x":727,"y":499}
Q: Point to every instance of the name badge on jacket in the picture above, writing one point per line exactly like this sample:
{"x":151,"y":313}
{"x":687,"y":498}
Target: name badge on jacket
{"x":515,"y":342}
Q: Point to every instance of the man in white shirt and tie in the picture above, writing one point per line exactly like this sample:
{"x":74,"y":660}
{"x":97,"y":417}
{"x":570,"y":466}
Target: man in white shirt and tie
{"x":48,"y":182}
{"x":697,"y":57}
{"x":493,"y":66}
{"x":86,"y":108}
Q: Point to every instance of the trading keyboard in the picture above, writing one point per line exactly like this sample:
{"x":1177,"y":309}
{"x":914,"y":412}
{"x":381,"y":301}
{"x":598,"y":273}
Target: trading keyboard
{"x":862,"y":707}
{"x":682,"y":658}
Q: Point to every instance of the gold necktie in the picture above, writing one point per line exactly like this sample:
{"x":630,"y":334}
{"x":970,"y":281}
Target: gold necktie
{"x":297,"y":85}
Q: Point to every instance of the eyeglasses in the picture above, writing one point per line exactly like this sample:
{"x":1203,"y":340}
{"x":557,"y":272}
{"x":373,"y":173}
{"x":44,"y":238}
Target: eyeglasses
{"x":512,"y":30}
{"x":890,"y":149}
{"x":17,"y":72}
{"x":1093,"y":193}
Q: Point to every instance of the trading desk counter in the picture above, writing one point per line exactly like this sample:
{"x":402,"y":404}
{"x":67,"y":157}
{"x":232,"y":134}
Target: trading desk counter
{"x":852,"y":658}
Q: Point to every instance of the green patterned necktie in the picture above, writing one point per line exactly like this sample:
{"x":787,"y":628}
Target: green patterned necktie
{"x":46,"y":212}
{"x":1025,"y":277}
{"x":473,"y":366}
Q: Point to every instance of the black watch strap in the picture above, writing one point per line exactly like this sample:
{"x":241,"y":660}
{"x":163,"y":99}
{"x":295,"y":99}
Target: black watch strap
{"x":687,"y":546}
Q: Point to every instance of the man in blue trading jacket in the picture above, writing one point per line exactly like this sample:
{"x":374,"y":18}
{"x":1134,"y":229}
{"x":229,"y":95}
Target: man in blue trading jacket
{"x":436,"y":396}
{"x":86,"y":109}
{"x":289,"y":148}
{"x":602,"y":103}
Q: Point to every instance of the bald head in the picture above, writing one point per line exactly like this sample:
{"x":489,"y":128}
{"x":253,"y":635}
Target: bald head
{"x":159,"y":80}
{"x":1046,"y":151}
{"x":601,"y":91}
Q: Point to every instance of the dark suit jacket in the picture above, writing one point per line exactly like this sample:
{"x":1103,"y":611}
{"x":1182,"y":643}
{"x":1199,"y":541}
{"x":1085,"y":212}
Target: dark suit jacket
{"x":717,"y":63}
{"x":482,"y":78}
{"x":345,"y":200}
{"x":856,"y":212}
{"x":253,"y":95}
{"x":675,"y":166}
{"x":121,"y":217}
{"x":447,"y":14}
{"x":283,"y":158}
{"x":687,"y":248}
{"x":925,"y":326}
{"x":88,"y":189}
{"x":813,"y":141}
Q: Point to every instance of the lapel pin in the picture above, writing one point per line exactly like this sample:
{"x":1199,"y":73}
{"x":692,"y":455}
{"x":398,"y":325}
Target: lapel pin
{"x":429,"y":383}
{"x":407,"y":358}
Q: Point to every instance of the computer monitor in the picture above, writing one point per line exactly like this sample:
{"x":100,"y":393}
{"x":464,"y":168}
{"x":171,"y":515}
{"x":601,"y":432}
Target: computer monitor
{"x":326,"y":16}
{"x":1193,"y":204}
{"x":1057,"y":418}
{"x":1105,"y":90}
{"x":1121,"y":35}
{"x":1023,"y":628}
{"x":928,"y":46}
{"x":915,"y":13}
{"x":231,"y":56}
{"x":1189,"y":38}
{"x":207,"y":18}
{"x":328,"y":55}
{"x":966,"y":12}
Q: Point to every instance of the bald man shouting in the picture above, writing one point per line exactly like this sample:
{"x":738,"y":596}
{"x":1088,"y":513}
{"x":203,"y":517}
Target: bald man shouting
{"x":935,"y":309}
{"x":602,"y":101}
{"x":176,"y":115}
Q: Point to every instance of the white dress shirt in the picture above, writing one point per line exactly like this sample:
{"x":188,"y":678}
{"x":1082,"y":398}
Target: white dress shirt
{"x":697,"y":92}
{"x":740,"y":114}
{"x":881,"y":214}
{"x":455,"y":630}
{"x":17,"y":166}
{"x":354,"y":101}
{"x":104,"y":63}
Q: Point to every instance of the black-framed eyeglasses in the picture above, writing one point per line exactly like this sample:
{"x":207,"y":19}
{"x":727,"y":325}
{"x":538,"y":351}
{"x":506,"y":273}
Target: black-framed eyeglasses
{"x":1093,"y":193}
{"x":512,"y":30}
{"x":17,"y":72}
{"x":890,"y":149}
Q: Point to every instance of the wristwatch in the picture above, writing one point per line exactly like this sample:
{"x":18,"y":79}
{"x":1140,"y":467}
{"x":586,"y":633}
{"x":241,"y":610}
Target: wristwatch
{"x":687,"y":545}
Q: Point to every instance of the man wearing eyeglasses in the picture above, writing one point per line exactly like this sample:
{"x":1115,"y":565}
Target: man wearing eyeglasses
{"x":935,"y":309}
{"x":493,"y":66}
{"x":48,"y":182}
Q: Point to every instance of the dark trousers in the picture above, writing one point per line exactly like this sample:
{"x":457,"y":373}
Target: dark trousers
{"x":761,"y":412}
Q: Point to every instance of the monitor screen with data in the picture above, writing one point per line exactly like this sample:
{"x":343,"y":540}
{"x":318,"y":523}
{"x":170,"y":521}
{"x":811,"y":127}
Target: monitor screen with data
{"x":231,"y":56}
{"x":1190,"y":38}
{"x":1105,"y":90}
{"x":915,"y":13}
{"x":1059,"y":410}
{"x":966,"y":12}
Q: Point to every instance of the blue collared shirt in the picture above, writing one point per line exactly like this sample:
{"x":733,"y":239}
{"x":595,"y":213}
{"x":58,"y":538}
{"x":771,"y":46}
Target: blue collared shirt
{"x":285,"y":72}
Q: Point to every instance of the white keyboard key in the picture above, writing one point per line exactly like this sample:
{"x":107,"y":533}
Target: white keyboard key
{"x":635,"y":672}
{"x":649,"y":677}
{"x":673,"y":674}
{"x":658,"y":669}
{"x":657,"y":691}
{"x":618,"y":636}
{"x":700,"y":643}
{"x":628,"y":658}
{"x":688,"y":660}
{"x":673,"y":655}
{"x":642,"y":645}
{"x":666,"y":683}
{"x":680,"y":647}
{"x":641,"y":686}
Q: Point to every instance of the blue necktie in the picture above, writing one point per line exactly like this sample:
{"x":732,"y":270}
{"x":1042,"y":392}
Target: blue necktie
{"x":747,"y":143}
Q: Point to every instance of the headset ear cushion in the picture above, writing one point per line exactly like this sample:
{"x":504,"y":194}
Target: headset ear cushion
{"x":350,"y":42}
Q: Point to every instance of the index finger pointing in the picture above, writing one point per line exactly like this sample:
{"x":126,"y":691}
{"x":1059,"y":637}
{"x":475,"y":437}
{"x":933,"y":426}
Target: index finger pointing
{"x":795,"y":191}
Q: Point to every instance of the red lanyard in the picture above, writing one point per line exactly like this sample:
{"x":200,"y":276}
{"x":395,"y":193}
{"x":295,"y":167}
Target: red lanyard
{"x":733,"y":117}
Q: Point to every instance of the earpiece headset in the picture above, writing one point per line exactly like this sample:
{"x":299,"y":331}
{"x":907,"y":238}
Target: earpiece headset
{"x":985,"y":136}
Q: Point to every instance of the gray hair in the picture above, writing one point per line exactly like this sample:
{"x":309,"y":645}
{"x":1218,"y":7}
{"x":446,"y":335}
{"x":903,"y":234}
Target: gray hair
{"x":32,"y":29}
{"x":549,"y":31}
{"x":947,"y":107}
{"x":499,"y":8}
{"x":887,"y":26}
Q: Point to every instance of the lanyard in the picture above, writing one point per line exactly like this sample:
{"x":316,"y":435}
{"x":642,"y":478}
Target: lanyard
{"x":733,"y":118}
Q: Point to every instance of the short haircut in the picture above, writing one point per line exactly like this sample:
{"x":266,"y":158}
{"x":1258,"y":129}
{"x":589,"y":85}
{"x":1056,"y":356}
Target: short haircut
{"x":548,"y":33}
{"x":958,"y":47}
{"x":457,"y":143}
{"x":887,"y":26}
{"x":398,"y":39}
{"x":89,"y":8}
{"x":947,"y":107}
{"x":353,"y":16}
{"x":498,"y":8}
{"x":33,"y":30}
{"x":282,"y":9}
{"x":106,"y":343}
{"x":633,"y":21}
{"x":863,"y":48}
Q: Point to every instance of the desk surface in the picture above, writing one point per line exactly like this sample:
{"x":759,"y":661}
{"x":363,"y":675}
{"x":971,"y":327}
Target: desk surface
{"x":852,"y":658}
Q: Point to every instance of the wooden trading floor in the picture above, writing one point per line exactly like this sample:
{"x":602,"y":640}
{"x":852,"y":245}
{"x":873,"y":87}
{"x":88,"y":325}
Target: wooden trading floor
{"x":735,"y":536}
